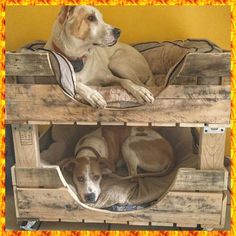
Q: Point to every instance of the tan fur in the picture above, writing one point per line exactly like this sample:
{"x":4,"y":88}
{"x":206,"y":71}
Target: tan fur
{"x":147,"y":149}
{"x":80,"y":27}
{"x":106,"y":62}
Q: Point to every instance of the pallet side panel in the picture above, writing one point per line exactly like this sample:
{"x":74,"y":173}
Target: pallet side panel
{"x":37,"y":103}
{"x":199,"y":180}
{"x":42,"y":177}
{"x":175,"y":207}
{"x":28,"y":64}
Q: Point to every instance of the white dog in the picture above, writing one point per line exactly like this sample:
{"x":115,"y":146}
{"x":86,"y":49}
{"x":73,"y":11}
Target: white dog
{"x":81,"y":35}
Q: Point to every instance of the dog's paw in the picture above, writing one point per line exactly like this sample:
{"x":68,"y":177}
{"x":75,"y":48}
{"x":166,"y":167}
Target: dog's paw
{"x":143,"y":95}
{"x":94,"y":98}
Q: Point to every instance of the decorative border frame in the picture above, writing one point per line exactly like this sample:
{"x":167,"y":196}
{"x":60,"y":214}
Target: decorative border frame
{"x":231,"y":3}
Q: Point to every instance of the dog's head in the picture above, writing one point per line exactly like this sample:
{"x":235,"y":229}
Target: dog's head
{"x":86,"y":23}
{"x":87,"y":175}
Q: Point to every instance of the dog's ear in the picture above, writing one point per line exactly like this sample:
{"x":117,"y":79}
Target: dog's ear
{"x":69,"y":165}
{"x":65,"y":12}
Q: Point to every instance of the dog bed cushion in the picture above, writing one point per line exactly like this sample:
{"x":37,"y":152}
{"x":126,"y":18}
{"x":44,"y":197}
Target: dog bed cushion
{"x":125,"y":192}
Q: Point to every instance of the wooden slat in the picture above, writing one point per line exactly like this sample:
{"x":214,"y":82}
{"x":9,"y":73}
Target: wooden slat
{"x":44,"y":177}
{"x":137,"y":124}
{"x":16,"y":201}
{"x":86,"y":123}
{"x":48,"y":103}
{"x":175,"y":207}
{"x":112,"y":123}
{"x":163,"y":124}
{"x":26,"y":145}
{"x":219,"y":125}
{"x":191,"y":125}
{"x":28,"y":64}
{"x":199,"y":180}
{"x":211,"y":151}
{"x":53,"y":93}
{"x":206,"y":64}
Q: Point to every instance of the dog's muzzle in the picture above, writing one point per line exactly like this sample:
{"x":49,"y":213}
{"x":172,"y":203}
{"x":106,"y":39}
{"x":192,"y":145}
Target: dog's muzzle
{"x":116,"y":33}
{"x":90,"y":198}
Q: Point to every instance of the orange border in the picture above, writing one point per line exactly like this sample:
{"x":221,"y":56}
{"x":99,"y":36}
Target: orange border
{"x":116,"y":2}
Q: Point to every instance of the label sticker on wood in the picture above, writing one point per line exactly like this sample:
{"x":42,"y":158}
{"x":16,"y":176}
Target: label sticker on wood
{"x":26,"y":137}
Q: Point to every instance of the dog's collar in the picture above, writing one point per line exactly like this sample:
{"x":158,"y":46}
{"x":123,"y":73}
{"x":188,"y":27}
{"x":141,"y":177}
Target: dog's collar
{"x":97,"y":155}
{"x":78,"y":63}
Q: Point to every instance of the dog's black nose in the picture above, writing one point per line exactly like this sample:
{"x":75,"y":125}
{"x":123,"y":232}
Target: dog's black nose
{"x":116,"y":32}
{"x":90,"y":197}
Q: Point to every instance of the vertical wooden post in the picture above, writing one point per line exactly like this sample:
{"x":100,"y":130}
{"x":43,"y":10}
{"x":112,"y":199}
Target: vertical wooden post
{"x":26,"y":145}
{"x":211,"y":150}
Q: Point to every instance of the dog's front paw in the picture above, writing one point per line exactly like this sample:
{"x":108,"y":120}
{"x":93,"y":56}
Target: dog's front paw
{"x":94,"y":98}
{"x":143,"y":95}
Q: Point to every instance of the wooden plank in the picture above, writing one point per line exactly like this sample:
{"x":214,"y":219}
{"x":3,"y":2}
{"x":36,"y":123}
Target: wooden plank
{"x":33,"y":103}
{"x":196,"y":91}
{"x":223,"y":212}
{"x":112,"y":123}
{"x":28,"y":64}
{"x":26,"y":145}
{"x":137,"y":124}
{"x":53,"y":93}
{"x":206,"y":64}
{"x":211,"y":150}
{"x":175,"y":207}
{"x":199,"y":180}
{"x":34,"y":122}
{"x":43,"y":177}
{"x":63,"y":122}
{"x":86,"y":123}
{"x":16,"y":201}
{"x":154,"y":124}
{"x":180,"y":80}
{"x":209,"y":80}
{"x":219,"y":125}
{"x":191,"y":125}
{"x":179,"y":111}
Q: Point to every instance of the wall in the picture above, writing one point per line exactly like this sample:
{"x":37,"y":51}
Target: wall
{"x":138,"y":23}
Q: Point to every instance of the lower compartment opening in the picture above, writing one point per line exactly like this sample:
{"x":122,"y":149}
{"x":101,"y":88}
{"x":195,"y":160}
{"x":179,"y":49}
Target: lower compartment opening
{"x":58,"y":144}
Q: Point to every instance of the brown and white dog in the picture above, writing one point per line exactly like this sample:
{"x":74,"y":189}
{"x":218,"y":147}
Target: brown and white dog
{"x":98,"y":153}
{"x":79,"y":33}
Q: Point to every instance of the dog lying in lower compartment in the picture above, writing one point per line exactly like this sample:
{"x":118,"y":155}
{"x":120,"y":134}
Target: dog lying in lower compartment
{"x":99,"y":153}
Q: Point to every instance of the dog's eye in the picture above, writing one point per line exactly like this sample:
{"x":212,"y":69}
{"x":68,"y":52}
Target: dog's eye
{"x":96,"y":177}
{"x":92,"y":18}
{"x":80,"y":178}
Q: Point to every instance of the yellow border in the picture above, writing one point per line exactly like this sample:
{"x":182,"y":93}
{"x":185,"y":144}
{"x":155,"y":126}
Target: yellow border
{"x":116,"y":2}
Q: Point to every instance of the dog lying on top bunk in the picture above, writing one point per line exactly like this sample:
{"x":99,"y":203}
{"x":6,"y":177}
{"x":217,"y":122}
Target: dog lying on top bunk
{"x":98,"y":153}
{"x":80,"y":34}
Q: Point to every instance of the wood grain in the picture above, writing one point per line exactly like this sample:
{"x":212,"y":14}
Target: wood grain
{"x":206,"y":64}
{"x":211,"y":151}
{"x":26,"y":145}
{"x":28,"y":64}
{"x":42,"y":102}
{"x":175,"y":207}
{"x":42,"y":177}
{"x":199,"y":180}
